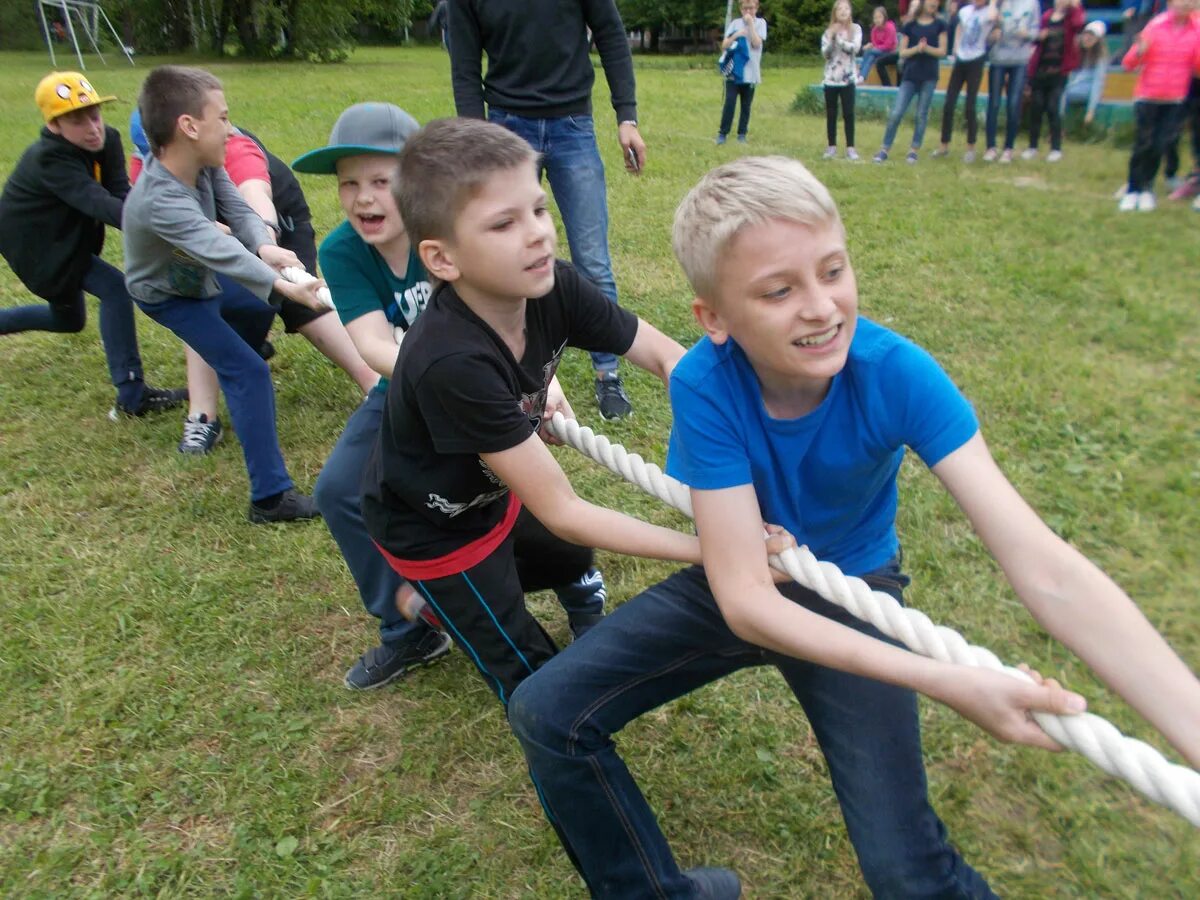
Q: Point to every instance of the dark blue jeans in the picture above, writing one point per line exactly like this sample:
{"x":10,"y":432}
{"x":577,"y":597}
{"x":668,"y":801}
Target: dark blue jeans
{"x":68,"y":314}
{"x":571,"y":161}
{"x":227,"y":330}
{"x":338,"y":492}
{"x":1156,"y":127}
{"x":670,"y":640}
{"x":733,"y":91}
{"x":1009,"y":80}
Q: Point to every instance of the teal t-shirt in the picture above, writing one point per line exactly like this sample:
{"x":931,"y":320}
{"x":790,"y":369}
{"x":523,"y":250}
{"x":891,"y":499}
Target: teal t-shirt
{"x":361,"y":281}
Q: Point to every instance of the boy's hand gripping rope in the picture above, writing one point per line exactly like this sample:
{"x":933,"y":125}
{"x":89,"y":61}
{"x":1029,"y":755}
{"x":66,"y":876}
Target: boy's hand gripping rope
{"x":296,"y":275}
{"x":1174,"y":786}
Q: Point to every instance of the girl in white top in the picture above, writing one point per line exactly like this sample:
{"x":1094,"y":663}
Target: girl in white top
{"x":840,"y":43}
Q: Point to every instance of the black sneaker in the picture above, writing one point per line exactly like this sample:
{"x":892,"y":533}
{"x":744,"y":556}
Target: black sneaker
{"x":714,"y":884}
{"x":384,"y":664}
{"x":293,"y":505}
{"x":153,"y":400}
{"x":200,"y":435}
{"x":267,"y":350}
{"x":611,"y":397}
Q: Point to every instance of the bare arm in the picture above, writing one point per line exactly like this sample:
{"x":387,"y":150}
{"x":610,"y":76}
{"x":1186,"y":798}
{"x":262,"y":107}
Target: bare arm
{"x":374,"y":339}
{"x":654,"y":351}
{"x":1076,"y":602}
{"x":533,"y":474}
{"x":735,"y":561}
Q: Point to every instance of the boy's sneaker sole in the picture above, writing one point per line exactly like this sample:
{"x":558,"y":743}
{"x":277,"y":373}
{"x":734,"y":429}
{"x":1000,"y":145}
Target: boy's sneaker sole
{"x":382,"y":665}
{"x":153,"y":400}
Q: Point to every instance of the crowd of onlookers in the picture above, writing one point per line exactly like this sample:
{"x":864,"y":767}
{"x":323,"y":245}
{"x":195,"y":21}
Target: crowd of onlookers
{"x":1039,"y":59}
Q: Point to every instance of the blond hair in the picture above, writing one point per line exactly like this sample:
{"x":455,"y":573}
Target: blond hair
{"x":748,"y":191}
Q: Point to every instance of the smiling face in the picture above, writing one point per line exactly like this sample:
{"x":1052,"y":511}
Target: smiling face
{"x":786,"y":293}
{"x":504,"y":241}
{"x":82,"y":127}
{"x":841,"y":11}
{"x":365,"y":185}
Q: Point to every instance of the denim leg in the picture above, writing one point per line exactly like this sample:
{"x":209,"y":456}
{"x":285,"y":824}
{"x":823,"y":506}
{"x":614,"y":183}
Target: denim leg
{"x":63,"y":315}
{"x":1016,"y":88}
{"x":731,"y":95}
{"x":746,"y":92}
{"x":572,"y":164}
{"x":903,"y":98}
{"x":206,"y":326}
{"x":576,"y":177}
{"x":337,"y":493}
{"x":662,"y":644}
{"x":923,"y":103}
{"x":870,"y":735}
{"x":868,"y":60}
{"x":118,"y":332}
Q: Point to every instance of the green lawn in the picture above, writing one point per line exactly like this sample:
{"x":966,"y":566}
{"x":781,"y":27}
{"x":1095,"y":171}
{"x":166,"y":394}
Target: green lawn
{"x":172,"y":720}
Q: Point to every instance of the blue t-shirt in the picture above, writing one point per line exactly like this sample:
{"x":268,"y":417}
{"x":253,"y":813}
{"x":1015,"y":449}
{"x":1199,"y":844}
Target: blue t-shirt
{"x":922,"y":67}
{"x":361,"y":281}
{"x":828,"y":477}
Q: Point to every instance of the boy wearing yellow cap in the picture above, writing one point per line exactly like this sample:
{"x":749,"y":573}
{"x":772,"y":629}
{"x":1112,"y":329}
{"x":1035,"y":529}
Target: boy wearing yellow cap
{"x":66,"y":187}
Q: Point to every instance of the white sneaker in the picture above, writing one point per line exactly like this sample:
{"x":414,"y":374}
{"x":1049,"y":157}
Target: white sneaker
{"x":1129,"y":202}
{"x":1146,"y":201}
{"x":830,"y":153}
{"x":1029,"y":153}
{"x":1196,"y":204}
{"x":1054,"y":156}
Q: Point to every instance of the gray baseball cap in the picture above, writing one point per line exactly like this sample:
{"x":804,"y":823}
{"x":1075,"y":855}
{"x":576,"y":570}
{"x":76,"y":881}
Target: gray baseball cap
{"x":363,"y":128}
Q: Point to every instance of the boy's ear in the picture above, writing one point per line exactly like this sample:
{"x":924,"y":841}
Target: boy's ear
{"x":186,"y":125}
{"x":710,"y":320}
{"x":437,"y":257}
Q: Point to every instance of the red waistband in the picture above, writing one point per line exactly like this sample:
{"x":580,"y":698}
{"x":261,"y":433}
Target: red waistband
{"x":464,"y":557}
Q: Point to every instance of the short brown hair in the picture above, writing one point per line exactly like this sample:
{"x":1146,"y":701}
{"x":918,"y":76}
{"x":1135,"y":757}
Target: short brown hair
{"x":444,"y":165}
{"x":168,"y":93}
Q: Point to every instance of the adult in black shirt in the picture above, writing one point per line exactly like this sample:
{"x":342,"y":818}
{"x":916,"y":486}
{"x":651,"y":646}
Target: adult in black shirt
{"x":539,"y":85}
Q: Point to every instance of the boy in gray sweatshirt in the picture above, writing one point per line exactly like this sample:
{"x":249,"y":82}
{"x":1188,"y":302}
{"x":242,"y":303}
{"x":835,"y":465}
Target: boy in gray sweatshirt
{"x":175,"y":254}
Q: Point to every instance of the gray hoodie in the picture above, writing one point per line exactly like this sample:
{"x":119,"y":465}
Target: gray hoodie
{"x":1016,"y":16}
{"x":172,"y":246}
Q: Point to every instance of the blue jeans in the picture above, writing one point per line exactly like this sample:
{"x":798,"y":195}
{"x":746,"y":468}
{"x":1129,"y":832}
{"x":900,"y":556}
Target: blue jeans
{"x":868,"y":60}
{"x":1009,"y":80}
{"x":670,"y":640}
{"x":337,"y":494}
{"x":571,"y":161}
{"x":923,"y":90}
{"x":68,"y":314}
{"x":227,"y":330}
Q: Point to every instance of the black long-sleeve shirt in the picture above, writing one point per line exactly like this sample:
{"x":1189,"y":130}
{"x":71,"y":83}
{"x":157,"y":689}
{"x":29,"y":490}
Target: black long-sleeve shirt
{"x":537,"y":51}
{"x":54,"y":209}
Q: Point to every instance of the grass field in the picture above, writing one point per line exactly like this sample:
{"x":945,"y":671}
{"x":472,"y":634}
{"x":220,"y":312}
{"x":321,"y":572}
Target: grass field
{"x":172,"y":719}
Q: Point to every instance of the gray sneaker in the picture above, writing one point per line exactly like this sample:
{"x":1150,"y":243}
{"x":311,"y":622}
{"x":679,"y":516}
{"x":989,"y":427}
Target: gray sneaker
{"x":611,"y":398}
{"x":200,"y":435}
{"x":291,"y":507}
{"x":384,"y":664}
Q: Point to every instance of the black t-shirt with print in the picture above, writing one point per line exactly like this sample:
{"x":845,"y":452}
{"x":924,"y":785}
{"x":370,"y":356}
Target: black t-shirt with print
{"x":457,"y":392}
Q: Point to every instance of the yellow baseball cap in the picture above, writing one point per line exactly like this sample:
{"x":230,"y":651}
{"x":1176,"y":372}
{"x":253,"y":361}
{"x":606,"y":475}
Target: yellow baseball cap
{"x":62,"y":92}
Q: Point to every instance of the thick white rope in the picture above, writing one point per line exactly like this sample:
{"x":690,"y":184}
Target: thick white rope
{"x":1174,"y":786}
{"x":297,"y":275}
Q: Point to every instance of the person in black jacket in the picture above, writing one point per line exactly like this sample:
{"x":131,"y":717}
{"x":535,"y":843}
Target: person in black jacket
{"x":66,"y":187}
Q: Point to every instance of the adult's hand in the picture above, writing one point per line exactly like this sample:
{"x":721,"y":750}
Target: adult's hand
{"x":633,"y":148}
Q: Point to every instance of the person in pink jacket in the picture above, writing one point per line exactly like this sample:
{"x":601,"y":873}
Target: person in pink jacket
{"x":1166,"y":53}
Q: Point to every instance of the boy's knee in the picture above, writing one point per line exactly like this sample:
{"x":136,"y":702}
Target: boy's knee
{"x":531,"y":711}
{"x":332,"y":491}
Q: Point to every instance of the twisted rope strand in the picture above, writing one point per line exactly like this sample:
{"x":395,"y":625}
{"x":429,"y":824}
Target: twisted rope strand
{"x":1173,"y":786}
{"x":296,"y":275}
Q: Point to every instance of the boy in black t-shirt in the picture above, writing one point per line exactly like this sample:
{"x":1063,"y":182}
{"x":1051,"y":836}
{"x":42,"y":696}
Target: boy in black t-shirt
{"x":459,"y":455}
